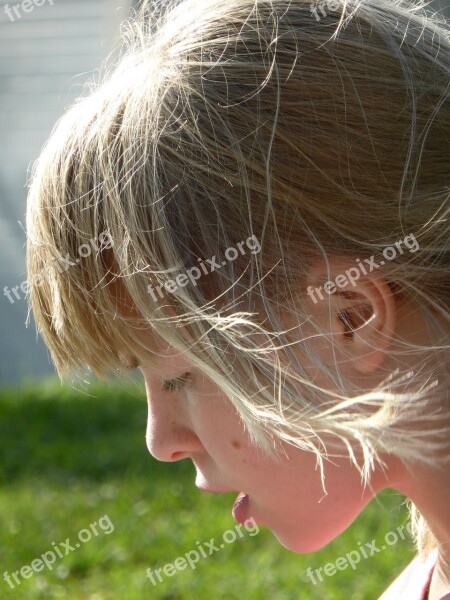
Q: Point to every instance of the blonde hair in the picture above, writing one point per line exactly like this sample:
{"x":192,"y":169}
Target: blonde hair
{"x":224,"y":121}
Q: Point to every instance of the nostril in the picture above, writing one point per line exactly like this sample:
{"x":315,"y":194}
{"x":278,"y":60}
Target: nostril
{"x":175,"y":443}
{"x":179,"y":455}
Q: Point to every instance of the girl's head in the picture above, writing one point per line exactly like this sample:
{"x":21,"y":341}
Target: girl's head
{"x":257,"y":197}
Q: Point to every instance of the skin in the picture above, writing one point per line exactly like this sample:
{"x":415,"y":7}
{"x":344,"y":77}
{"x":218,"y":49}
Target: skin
{"x":200,"y":424}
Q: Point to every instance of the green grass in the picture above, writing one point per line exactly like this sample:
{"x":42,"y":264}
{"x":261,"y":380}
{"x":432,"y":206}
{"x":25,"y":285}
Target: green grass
{"x":69,"y":458}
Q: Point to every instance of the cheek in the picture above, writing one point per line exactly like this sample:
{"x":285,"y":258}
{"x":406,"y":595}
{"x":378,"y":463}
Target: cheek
{"x":286,"y":496}
{"x":295,"y":508}
{"x":313,"y":529}
{"x":218,"y":425}
{"x":230,"y":449}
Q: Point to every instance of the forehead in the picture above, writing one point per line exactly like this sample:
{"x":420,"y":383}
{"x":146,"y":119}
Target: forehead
{"x":159,"y":349}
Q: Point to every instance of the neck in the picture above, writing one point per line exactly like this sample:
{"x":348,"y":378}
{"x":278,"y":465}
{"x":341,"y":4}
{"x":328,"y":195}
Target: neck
{"x":428,"y":487}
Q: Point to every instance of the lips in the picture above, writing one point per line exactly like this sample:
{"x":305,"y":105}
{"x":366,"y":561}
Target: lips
{"x":240,"y":498}
{"x":241,"y":508}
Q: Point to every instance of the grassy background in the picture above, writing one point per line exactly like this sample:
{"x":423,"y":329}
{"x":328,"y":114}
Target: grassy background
{"x":70,"y":457}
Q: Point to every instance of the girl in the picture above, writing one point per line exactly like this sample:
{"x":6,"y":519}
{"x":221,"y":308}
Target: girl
{"x":263,"y":199}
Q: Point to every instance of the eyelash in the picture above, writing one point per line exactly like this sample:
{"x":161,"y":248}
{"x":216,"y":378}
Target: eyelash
{"x":176,"y":384}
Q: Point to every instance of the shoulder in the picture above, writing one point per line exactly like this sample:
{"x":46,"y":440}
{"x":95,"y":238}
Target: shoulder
{"x":413,"y":582}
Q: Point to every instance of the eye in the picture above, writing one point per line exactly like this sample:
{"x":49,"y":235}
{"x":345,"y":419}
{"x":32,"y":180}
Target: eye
{"x":172,"y":385}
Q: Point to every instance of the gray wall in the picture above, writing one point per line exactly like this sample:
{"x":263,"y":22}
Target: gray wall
{"x":45,"y":57}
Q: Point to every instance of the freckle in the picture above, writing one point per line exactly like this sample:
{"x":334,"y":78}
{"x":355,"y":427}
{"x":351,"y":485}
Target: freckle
{"x":236,"y":444}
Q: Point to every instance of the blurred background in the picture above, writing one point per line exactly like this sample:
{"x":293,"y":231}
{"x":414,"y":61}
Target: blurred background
{"x":68,"y":457}
{"x":46,"y":55}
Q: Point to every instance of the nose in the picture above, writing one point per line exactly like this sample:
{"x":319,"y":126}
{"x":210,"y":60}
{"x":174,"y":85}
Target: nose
{"x":169,"y":434}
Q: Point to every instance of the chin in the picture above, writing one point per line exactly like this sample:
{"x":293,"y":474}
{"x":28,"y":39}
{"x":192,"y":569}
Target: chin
{"x":300,"y":544}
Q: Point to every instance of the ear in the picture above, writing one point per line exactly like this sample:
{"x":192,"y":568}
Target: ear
{"x":357,"y":308}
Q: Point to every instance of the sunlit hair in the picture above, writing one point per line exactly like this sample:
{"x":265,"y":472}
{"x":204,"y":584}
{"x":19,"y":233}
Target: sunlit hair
{"x":224,"y":120}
